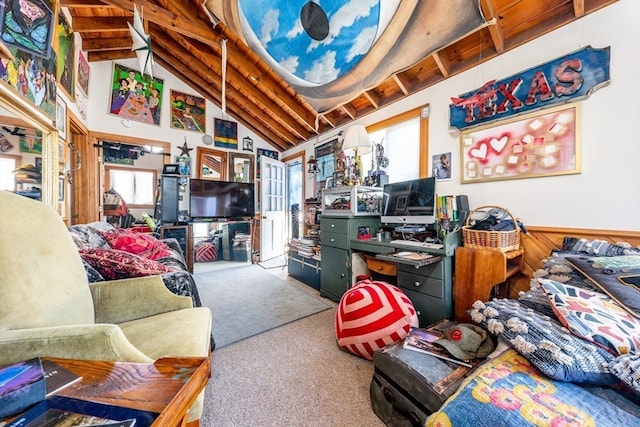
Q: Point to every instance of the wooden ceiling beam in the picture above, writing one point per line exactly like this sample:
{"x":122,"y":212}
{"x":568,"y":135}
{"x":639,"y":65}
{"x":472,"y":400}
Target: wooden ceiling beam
{"x":82,"y":24}
{"x":83,"y":3}
{"x":201,"y":86}
{"x":106,"y":43}
{"x":177,"y":48}
{"x":497,"y":35}
{"x":373,"y":98}
{"x":443,"y":64}
{"x":578,"y":8}
{"x":186,"y":23}
{"x":265,"y":83}
{"x":403,"y":83}
{"x":109,"y":55}
{"x":180,"y":56}
{"x":349,"y":110}
{"x":234,"y":78}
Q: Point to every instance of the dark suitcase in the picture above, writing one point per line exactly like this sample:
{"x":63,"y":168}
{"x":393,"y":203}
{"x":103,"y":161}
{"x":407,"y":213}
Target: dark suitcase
{"x":407,"y":386}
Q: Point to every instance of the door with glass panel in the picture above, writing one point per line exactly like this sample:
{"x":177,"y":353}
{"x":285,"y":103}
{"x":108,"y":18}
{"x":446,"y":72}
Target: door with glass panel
{"x":273,"y":208}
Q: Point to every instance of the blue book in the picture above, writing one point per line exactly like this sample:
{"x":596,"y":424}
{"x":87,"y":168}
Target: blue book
{"x":21,"y":385}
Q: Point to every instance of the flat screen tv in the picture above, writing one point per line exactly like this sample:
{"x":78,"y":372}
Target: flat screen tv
{"x":220,"y":199}
{"x":409,"y":202}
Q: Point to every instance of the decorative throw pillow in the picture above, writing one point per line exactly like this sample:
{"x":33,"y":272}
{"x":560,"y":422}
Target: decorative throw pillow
{"x":114,"y":264}
{"x":545,"y":343}
{"x":594,"y":316}
{"x":597,"y":247}
{"x":627,"y":368}
{"x":617,"y":276}
{"x":136,"y":243}
{"x":372,"y":315}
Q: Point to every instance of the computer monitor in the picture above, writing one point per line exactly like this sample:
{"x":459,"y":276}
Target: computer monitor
{"x":409,"y":202}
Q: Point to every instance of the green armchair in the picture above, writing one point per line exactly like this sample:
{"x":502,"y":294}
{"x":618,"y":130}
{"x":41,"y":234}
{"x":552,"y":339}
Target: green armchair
{"x":48,"y":307}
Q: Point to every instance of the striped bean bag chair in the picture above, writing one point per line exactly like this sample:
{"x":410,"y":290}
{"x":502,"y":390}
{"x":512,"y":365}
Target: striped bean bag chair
{"x":372,"y":315}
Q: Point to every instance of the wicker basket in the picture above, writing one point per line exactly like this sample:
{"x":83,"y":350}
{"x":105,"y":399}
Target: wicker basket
{"x":503,"y":241}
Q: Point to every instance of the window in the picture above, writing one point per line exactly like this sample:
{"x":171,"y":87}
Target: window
{"x":402,"y":137}
{"x":7,"y":179}
{"x":136,"y":186}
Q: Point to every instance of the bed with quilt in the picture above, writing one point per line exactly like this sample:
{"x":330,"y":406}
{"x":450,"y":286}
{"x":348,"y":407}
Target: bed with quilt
{"x":571,"y":346}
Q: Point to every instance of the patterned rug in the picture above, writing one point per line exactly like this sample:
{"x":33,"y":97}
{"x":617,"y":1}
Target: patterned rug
{"x":247,"y":301}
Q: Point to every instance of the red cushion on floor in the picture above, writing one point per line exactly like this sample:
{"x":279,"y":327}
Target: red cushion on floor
{"x":206,"y":252}
{"x":372,"y":315}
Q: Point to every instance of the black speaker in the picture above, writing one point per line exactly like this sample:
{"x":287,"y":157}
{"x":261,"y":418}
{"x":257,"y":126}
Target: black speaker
{"x":167,"y":205}
{"x":462,"y":203}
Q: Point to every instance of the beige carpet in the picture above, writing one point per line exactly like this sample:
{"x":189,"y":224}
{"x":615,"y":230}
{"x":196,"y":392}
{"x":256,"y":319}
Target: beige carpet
{"x":294,"y":375}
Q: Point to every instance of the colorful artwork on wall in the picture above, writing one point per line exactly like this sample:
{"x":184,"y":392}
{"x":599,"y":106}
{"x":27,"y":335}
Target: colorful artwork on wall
{"x":28,"y":26}
{"x":32,"y":77}
{"x":188,"y":112}
{"x":83,"y":73}
{"x":225,"y":133}
{"x":136,"y":96}
{"x":66,"y":57}
{"x":543,"y":143}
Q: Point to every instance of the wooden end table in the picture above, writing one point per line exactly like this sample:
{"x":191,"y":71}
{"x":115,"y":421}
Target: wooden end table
{"x":169,"y":386}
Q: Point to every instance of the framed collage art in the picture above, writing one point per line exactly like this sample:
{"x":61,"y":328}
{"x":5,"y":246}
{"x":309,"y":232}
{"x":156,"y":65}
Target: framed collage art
{"x":543,"y":143}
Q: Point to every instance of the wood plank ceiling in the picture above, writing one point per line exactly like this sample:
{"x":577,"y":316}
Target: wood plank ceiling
{"x":186,"y":43}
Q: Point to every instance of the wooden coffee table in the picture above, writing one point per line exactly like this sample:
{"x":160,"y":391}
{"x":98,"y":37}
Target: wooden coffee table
{"x":169,"y":386}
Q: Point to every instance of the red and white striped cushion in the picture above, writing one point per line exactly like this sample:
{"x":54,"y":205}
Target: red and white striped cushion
{"x":372,"y":315}
{"x":206,"y":252}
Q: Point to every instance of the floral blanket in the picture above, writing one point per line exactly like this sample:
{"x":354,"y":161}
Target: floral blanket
{"x":509,"y":391}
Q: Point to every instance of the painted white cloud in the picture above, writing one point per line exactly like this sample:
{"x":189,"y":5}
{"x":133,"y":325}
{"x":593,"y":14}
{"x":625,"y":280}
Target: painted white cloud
{"x":290,"y":64}
{"x":362,"y":43}
{"x":323,"y":70}
{"x":270,"y":26}
{"x":349,"y":13}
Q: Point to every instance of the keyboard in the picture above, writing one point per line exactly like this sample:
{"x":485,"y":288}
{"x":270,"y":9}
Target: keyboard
{"x":417,"y":244}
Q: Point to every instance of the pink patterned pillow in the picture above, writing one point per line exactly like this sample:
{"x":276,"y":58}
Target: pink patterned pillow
{"x":594,"y":316}
{"x":136,"y":243}
{"x":372,"y":315}
{"x":115,"y":264}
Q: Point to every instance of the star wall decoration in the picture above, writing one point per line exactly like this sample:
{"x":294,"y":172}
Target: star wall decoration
{"x":184,"y":150}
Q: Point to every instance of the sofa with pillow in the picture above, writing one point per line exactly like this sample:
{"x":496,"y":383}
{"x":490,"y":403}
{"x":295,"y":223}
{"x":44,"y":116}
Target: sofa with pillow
{"x":571,"y":346}
{"x":111,"y":253}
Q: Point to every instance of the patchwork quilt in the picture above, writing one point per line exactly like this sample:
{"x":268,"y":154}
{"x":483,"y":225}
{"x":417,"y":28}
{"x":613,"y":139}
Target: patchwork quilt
{"x":508,"y":390}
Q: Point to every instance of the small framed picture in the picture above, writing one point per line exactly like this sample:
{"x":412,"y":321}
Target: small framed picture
{"x":61,"y":118}
{"x":247,"y":144}
{"x":364,"y":232}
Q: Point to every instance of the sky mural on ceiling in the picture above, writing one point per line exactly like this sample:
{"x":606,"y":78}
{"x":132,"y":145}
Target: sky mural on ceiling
{"x":330,"y":51}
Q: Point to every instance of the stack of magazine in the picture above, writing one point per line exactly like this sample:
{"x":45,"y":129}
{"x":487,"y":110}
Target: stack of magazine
{"x":424,"y":341}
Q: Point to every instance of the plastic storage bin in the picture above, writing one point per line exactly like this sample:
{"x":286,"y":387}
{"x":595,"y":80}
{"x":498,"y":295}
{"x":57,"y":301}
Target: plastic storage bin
{"x":352,"y":200}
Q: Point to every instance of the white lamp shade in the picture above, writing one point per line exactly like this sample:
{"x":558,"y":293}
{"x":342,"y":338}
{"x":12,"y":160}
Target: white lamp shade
{"x":356,"y":140}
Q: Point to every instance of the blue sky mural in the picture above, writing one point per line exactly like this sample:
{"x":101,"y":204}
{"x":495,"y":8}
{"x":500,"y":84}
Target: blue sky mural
{"x":328,"y":41}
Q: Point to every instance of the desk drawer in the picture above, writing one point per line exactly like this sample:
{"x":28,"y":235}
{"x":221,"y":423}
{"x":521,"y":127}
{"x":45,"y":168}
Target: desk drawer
{"x":421,"y":284}
{"x":431,"y":270}
{"x":334,"y":225}
{"x":381,"y":267}
{"x":335,"y":240}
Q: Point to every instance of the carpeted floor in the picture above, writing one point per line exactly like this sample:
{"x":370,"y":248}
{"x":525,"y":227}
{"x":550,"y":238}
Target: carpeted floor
{"x":248,"y":301}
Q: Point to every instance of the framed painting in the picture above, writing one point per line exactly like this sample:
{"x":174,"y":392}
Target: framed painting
{"x":83,"y":73}
{"x":66,"y":56}
{"x":247,"y":144}
{"x":135,"y":96}
{"x":324,"y":154}
{"x":28,"y":26}
{"x":188,"y":112}
{"x":61,"y":118}
{"x":441,"y":166}
{"x":544,"y":143}
{"x":30,"y":141}
{"x":225,"y":133}
{"x":263,"y":152}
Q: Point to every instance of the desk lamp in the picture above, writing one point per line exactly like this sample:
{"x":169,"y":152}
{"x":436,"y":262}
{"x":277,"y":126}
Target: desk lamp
{"x":356,"y":142}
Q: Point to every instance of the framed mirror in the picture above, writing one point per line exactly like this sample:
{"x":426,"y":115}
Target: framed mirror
{"x":211,"y":164}
{"x":240,"y":167}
